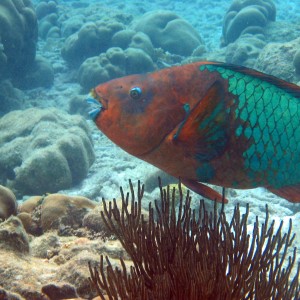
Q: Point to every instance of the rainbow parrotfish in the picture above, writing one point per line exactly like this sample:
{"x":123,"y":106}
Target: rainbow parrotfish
{"x":208,"y":122}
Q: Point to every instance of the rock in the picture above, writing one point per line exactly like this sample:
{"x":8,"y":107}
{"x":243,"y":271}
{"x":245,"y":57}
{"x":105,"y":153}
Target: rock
{"x":247,"y":16}
{"x":277,"y":59}
{"x":59,"y":291}
{"x":4,"y":295}
{"x":36,"y":278}
{"x":42,"y":245}
{"x":296,"y":62}
{"x":24,"y":275}
{"x":245,"y":50}
{"x":13,"y":236}
{"x":280,"y":32}
{"x":169,"y":32}
{"x":45,"y":149}
{"x":76,"y":271}
{"x":8,"y":203}
{"x":59,"y":211}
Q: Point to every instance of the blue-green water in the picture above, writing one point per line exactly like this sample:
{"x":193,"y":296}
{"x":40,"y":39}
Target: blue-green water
{"x":53,"y":52}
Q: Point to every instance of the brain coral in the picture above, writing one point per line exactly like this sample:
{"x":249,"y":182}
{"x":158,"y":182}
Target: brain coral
{"x":18,"y":36}
{"x":59,"y":209}
{"x":90,"y":40}
{"x":43,"y":150}
{"x":112,"y":64}
{"x":169,"y":32}
{"x":131,"y":39}
{"x":247,"y":16}
{"x":8,"y":203}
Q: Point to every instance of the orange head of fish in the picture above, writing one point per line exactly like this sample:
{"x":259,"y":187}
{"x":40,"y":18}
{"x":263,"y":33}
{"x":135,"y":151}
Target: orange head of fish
{"x":137,"y":112}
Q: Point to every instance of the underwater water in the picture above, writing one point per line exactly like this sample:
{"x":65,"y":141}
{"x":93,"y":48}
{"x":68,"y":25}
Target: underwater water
{"x":56,"y":165}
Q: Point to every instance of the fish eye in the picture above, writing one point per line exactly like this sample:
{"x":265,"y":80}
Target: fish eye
{"x":135,"y":93}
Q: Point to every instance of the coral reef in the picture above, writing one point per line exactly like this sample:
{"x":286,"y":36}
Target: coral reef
{"x":280,"y":32}
{"x":58,"y":256}
{"x":72,"y":25}
{"x":60,"y":211}
{"x":92,"y":39}
{"x":169,"y":32}
{"x":130,"y":39}
{"x":47,"y":14}
{"x":104,"y":67}
{"x":181,"y":256}
{"x":112,"y":64}
{"x":18,"y":37}
{"x":13,"y":236}
{"x":277,"y":59}
{"x":296,"y":62}
{"x":10,"y":98}
{"x":54,"y":211}
{"x":54,"y":263}
{"x":45,"y":246}
{"x":49,"y":26}
{"x":43,"y":150}
{"x":247,"y":16}
{"x":45,"y":8}
{"x":245,"y":50}
{"x":122,"y":38}
{"x":39,"y":74}
{"x":64,"y":267}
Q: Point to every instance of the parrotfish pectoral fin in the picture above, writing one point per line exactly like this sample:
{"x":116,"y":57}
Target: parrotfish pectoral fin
{"x":203,"y":132}
{"x":203,"y":190}
{"x":290,"y":193}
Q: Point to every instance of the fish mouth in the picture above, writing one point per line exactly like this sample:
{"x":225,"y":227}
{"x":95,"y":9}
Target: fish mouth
{"x":96,"y":106}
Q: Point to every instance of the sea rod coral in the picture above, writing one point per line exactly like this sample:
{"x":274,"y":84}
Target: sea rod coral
{"x":194,"y":255}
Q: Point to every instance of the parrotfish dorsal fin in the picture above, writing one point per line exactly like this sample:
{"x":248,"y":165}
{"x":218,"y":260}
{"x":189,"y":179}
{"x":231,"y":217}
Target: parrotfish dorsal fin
{"x":282,"y":84}
{"x":203,"y":131}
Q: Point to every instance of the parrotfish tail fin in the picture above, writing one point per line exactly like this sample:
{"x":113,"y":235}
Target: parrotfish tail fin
{"x":203,"y":132}
{"x":203,"y":190}
{"x":290,"y":193}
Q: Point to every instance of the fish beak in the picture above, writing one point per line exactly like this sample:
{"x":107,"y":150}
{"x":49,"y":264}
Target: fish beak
{"x":95,"y":105}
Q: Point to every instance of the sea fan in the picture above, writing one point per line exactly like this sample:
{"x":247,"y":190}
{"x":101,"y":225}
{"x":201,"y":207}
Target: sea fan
{"x":187,"y":255}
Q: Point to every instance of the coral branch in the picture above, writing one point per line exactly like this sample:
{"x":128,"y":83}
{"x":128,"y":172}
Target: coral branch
{"x":179,"y":255}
